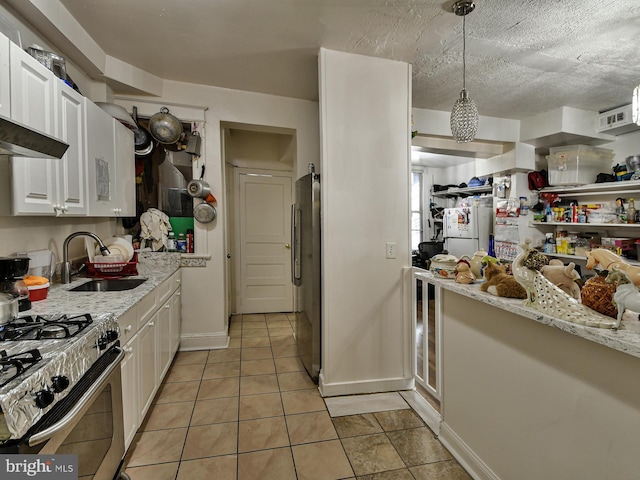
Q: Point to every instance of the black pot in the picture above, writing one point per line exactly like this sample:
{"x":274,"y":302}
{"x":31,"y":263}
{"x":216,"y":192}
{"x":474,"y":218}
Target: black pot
{"x":13,"y":267}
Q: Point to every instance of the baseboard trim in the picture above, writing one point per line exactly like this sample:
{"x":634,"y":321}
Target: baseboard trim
{"x":471,"y":462}
{"x":423,"y":408}
{"x":369,"y":386}
{"x":204,"y":341}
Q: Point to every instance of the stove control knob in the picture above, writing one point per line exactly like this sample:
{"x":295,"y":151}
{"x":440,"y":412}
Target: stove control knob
{"x":59,"y":383}
{"x":108,"y":337}
{"x":44,"y":398}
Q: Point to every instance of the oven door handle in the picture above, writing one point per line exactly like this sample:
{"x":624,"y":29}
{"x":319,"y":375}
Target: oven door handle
{"x":81,"y":405}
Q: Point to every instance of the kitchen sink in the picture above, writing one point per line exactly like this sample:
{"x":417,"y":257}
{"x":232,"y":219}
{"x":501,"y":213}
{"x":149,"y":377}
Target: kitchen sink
{"x":109,"y":285}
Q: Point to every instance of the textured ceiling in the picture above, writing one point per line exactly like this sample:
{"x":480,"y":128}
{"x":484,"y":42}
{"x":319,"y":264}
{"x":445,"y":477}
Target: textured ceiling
{"x":523,"y":56}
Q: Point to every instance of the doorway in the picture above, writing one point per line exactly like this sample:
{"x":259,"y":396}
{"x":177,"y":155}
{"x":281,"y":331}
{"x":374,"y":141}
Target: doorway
{"x":259,"y":164}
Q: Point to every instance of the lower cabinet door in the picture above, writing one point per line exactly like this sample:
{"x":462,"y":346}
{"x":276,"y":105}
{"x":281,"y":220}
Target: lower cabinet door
{"x":148,"y":380}
{"x":164,"y":339}
{"x":129,"y":369}
{"x":175,"y":320}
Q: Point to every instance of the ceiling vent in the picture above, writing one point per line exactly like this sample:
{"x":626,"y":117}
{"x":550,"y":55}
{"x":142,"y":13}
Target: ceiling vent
{"x":617,"y":121}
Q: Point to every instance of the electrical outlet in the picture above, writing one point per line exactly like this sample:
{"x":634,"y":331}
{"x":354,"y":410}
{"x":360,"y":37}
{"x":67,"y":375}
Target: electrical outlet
{"x":391,"y":250}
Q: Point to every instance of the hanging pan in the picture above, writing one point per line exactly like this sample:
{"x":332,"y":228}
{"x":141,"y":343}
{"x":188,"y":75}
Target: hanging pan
{"x":164,"y":127}
{"x":142,"y":138}
{"x":204,"y":212}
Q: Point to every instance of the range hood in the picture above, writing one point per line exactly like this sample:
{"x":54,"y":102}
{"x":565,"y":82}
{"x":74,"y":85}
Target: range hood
{"x":19,"y":140}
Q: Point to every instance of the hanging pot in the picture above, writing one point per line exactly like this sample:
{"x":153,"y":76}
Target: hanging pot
{"x":164,"y":127}
{"x":198,"y":189}
{"x":204,"y":212}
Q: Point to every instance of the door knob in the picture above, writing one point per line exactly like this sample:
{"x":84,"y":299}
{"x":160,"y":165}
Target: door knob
{"x":287,"y":246}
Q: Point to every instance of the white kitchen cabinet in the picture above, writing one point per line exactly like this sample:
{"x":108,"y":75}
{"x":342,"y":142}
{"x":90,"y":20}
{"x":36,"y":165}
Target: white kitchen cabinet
{"x":33,"y":90}
{"x":163,"y":339}
{"x":176,"y":305}
{"x":130,"y":409}
{"x":110,"y":165}
{"x":124,"y":148}
{"x":150,"y":335}
{"x":5,"y":86}
{"x":42,"y":101}
{"x":71,"y":174}
{"x":101,"y":161}
{"x":147,"y":372}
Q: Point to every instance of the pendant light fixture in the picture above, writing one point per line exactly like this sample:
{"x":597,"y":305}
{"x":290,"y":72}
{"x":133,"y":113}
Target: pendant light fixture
{"x":464,"y":116}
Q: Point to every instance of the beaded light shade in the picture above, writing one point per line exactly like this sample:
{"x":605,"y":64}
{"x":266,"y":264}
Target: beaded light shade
{"x":464,"y":116}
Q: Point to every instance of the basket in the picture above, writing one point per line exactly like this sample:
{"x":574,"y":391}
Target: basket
{"x":598,"y":295}
{"x":122,"y":269}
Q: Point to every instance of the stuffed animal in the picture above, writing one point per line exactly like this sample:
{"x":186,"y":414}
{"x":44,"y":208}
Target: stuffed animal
{"x":463,"y":272}
{"x":500,"y":284}
{"x":563,"y":277}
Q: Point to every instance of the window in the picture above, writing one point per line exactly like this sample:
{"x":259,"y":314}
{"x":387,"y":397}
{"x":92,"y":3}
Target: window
{"x":417,"y":210}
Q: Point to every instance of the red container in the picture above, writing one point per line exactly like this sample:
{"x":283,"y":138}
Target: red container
{"x":38,"y":292}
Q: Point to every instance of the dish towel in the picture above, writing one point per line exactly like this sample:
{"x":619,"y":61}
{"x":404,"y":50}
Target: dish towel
{"x":154,"y":226}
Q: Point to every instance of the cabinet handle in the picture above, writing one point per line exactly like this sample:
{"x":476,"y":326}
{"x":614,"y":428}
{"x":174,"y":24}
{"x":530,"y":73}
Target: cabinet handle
{"x":127,"y":328}
{"x":128,"y":349}
{"x":178,"y":281}
{"x":64,"y":209}
{"x":167,"y":306}
{"x":152,"y":324}
{"x":178,"y":294}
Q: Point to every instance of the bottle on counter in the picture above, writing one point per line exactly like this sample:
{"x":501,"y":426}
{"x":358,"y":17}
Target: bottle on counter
{"x":181,"y":243}
{"x":190,"y":241}
{"x":171,"y":242}
{"x":631,"y":211}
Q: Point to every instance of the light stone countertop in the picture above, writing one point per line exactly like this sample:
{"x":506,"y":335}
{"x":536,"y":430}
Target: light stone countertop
{"x":155,"y":267}
{"x":626,"y":339}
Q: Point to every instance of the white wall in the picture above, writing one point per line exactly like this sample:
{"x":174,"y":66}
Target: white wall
{"x":204,"y":324}
{"x":365,"y":112}
{"x":624,"y":146}
{"x":526,"y":401}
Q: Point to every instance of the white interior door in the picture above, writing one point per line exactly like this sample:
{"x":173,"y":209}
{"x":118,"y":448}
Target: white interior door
{"x":265,"y":251}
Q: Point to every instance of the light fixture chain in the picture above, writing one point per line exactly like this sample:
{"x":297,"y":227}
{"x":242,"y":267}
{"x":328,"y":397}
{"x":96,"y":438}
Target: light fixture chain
{"x":464,"y":53}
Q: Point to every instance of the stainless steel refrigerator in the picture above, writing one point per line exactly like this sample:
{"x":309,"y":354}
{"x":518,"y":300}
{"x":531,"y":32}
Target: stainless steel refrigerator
{"x":305,"y":266}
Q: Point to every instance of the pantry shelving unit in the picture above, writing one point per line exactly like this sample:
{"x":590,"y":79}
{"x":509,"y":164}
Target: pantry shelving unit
{"x":460,"y":192}
{"x":596,"y":193}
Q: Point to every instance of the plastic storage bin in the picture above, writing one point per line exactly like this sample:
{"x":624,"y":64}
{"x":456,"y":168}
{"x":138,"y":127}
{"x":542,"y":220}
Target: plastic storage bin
{"x":577,"y":164}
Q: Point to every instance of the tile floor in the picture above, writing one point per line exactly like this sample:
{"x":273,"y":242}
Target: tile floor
{"x":250,"y":412}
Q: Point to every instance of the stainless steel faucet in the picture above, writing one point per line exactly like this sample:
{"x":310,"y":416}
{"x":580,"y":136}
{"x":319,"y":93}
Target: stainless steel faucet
{"x":66,"y":264}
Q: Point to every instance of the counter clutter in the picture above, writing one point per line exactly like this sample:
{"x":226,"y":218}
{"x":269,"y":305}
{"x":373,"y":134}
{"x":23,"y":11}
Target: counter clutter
{"x":626,"y":339}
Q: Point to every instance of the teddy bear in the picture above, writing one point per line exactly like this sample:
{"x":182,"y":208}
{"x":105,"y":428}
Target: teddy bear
{"x":500,"y":283}
{"x":463,"y":272}
{"x":563,"y":277}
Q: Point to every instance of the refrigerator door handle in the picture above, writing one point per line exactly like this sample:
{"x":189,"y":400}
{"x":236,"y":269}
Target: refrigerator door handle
{"x":296,"y":274}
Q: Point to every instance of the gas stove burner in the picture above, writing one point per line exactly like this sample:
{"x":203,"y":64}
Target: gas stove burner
{"x":41,"y":328}
{"x":13,"y":365}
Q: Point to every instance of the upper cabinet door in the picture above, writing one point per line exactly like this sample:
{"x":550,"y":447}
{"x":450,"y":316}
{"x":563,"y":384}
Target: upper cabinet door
{"x":101,"y":164}
{"x":5,"y":102}
{"x":126,"y":165}
{"x":32,"y":91}
{"x":72,"y":175}
{"x":32,"y":103}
